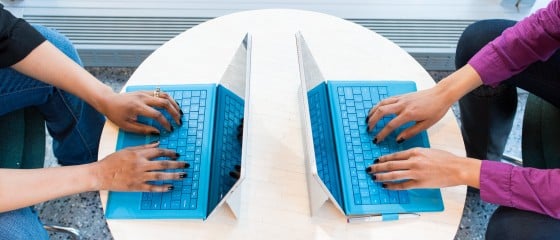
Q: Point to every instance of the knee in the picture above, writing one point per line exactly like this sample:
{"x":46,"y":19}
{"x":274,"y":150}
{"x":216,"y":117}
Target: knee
{"x":60,"y":41}
{"x":511,"y":223}
{"x":475,"y":36}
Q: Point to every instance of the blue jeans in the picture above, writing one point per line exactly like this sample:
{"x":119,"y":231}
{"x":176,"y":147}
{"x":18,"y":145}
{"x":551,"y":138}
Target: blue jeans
{"x":487,"y":115}
{"x":74,"y":125}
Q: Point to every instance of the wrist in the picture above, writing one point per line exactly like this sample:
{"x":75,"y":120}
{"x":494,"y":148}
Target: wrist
{"x":470,"y":172}
{"x":93,"y":176}
{"x":459,"y":83}
{"x":101,"y":97}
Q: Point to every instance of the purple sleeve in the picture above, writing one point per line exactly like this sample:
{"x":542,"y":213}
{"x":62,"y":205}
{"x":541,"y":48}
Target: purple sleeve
{"x":534,"y":38}
{"x":522,"y":188}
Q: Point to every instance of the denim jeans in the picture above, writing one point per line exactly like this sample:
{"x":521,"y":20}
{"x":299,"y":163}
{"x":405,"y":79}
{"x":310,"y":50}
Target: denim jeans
{"x":74,"y":125}
{"x":487,"y":115}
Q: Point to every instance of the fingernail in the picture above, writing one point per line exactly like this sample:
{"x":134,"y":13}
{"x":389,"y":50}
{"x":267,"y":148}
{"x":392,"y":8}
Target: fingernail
{"x":375,"y":140}
{"x":368,"y":169}
{"x":187,"y":165}
{"x":155,"y":134}
{"x":373,"y":177}
{"x":155,"y":141}
{"x":183,"y":175}
{"x":234,"y":174}
{"x":376,"y":161}
{"x":170,"y":188}
{"x":177,"y":102}
{"x":400,"y":140}
{"x":367,"y":119}
{"x":180,"y":121}
{"x":177,"y":155}
{"x":384,"y":185}
{"x":172,"y":128}
{"x":181,"y":112}
{"x":238,"y":168}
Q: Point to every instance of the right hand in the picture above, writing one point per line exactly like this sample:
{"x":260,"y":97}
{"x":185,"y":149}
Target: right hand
{"x":130,"y":169}
{"x":424,"y":108}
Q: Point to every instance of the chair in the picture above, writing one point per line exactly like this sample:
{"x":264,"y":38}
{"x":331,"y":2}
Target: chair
{"x":540,"y":134}
{"x":25,"y":148}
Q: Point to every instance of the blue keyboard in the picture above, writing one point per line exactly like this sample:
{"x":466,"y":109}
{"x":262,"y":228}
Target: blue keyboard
{"x":354,"y":104}
{"x":187,"y":140}
{"x":227,"y":148}
{"x":323,"y":140}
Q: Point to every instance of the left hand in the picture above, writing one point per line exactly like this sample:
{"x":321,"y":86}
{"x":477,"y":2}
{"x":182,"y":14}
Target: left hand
{"x":123,"y":109}
{"x":425,"y":168}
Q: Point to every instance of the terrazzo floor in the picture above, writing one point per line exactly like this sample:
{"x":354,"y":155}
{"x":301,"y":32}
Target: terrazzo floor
{"x":83,"y":211}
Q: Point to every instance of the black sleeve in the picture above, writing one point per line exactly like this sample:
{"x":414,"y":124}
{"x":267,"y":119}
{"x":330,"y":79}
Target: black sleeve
{"x":17,"y":38}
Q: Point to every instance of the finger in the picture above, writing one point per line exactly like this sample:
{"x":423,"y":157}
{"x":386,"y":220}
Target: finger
{"x":166,"y":102}
{"x":160,"y":176}
{"x":401,"y":185}
{"x":385,"y":101}
{"x":136,"y":127}
{"x":413,"y":131}
{"x":234,"y":174}
{"x":145,"y":146}
{"x":151,"y":153}
{"x":156,"y":115}
{"x":390,"y":127}
{"x":397,"y":156}
{"x":157,"y":188}
{"x":381,"y":112}
{"x":390,"y":166}
{"x":392,"y":176}
{"x":166,"y":164}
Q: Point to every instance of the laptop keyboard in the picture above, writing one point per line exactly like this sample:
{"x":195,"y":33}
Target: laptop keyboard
{"x":355,"y":103}
{"x":227,"y":149}
{"x":323,"y":141}
{"x":187,"y":140}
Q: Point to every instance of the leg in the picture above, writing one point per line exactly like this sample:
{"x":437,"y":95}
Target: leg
{"x":74,"y":125}
{"x":511,"y":223}
{"x":21,"y":224}
{"x":486,"y":113}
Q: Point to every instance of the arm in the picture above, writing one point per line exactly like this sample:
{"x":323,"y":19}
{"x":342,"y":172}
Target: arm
{"x":523,"y":188}
{"x":126,"y":170}
{"x":534,"y":38}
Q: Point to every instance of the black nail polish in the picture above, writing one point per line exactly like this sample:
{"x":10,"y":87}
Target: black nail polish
{"x":384,"y":185}
{"x":376,"y":161}
{"x":400,"y":140}
{"x":375,"y":140}
{"x":177,"y":155}
{"x":367,"y":119}
{"x":238,"y":168}
{"x":187,"y":165}
{"x":368,"y":169}
{"x":170,"y":188}
{"x":373,"y":177}
{"x":183,"y":175}
{"x":177,"y":103}
{"x":172,"y":128}
{"x":155,"y":134}
{"x":155,"y":141}
{"x":180,"y":122}
{"x":234,"y":174}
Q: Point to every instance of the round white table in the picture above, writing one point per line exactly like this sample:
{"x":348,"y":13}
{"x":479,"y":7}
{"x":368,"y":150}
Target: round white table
{"x":275,"y":201}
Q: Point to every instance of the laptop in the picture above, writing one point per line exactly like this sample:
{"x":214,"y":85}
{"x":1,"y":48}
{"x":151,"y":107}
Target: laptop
{"x":338,"y":147}
{"x":210,"y":140}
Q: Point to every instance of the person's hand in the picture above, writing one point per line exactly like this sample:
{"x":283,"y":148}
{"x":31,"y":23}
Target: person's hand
{"x":123,"y":109}
{"x":130,"y":169}
{"x":424,"y":168}
{"x":424,"y":108}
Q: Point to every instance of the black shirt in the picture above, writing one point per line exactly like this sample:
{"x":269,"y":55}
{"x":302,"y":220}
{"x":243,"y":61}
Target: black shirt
{"x":17,"y":38}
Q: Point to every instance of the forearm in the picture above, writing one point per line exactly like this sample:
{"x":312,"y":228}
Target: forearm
{"x":22,"y":188}
{"x":522,"y":188}
{"x":459,"y":83}
{"x":48,"y":64}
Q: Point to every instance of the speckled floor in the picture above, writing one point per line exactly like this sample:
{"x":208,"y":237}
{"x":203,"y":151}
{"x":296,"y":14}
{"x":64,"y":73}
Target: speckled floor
{"x":84,"y":212}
